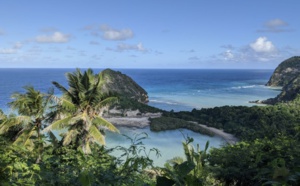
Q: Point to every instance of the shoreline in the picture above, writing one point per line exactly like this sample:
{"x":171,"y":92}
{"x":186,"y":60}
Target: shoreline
{"x":143,"y":121}
{"x":229,"y":138}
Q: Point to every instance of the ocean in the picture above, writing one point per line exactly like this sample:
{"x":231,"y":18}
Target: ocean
{"x":167,"y":89}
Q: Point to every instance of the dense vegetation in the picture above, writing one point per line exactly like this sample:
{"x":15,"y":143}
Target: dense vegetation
{"x":269,"y":149}
{"x":247,"y":123}
{"x":171,"y":123}
{"x":31,"y":154}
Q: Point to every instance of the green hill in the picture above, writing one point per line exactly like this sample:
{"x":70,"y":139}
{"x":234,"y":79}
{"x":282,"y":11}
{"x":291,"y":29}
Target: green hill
{"x":286,"y":71}
{"x":123,"y":85}
{"x":287,"y":76}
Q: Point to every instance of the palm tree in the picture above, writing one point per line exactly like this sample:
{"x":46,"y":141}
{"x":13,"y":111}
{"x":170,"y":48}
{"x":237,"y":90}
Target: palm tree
{"x":79,"y":108}
{"x":31,"y":107}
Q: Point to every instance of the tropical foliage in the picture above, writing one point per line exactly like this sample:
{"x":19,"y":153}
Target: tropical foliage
{"x":248,"y":123}
{"x":79,"y":109}
{"x":269,"y":162}
{"x":192,"y":171}
{"x":268,"y":152}
{"x":26,"y":127}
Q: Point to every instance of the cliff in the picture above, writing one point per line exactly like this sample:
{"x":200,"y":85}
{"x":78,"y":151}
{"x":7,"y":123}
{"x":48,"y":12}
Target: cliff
{"x":286,"y":72}
{"x":123,"y":85}
{"x":287,"y":76}
{"x":289,"y":92}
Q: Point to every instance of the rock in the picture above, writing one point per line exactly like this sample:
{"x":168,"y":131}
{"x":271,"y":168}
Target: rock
{"x":286,"y":71}
{"x":289,"y":92}
{"x":286,"y":75}
{"x":123,"y":85}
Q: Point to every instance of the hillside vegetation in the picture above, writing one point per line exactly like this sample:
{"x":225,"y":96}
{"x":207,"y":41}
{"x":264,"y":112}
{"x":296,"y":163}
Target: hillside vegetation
{"x":286,"y":71}
{"x":122,"y":85}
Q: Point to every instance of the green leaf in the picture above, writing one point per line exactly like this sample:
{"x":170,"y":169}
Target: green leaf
{"x":85,"y":178}
{"x":185,"y":168}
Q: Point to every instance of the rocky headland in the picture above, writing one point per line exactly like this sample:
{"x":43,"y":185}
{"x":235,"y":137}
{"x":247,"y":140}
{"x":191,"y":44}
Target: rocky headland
{"x":131,"y":110}
{"x":287,"y":76}
{"x":123,"y":85}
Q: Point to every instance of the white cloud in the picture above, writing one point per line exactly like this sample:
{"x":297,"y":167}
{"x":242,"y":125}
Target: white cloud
{"x":194,"y":58}
{"x":2,"y":32}
{"x":125,"y":47}
{"x":18,"y":45}
{"x":70,"y":48}
{"x":275,"y":26}
{"x":276,"y":23}
{"x":229,"y":47}
{"x":56,"y":37}
{"x":228,"y":55}
{"x":263,"y":45}
{"x":89,"y":27}
{"x":94,"y":43}
{"x":7,"y":51}
{"x":188,"y":51}
{"x":11,"y":50}
{"x":114,"y":34}
{"x":261,"y":49}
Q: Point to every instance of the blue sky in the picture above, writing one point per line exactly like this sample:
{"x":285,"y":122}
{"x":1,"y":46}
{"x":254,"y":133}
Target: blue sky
{"x":148,"y":34}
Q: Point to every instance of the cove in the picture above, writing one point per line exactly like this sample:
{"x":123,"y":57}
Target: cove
{"x":169,"y":143}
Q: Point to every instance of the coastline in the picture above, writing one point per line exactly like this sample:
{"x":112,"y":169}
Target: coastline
{"x":143,"y":121}
{"x":229,"y":138}
{"x":133,"y":120}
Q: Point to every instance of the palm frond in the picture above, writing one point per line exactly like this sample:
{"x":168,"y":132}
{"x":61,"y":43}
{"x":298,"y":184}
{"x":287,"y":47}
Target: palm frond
{"x":107,"y":101}
{"x":87,"y":148}
{"x":63,"y":89}
{"x":60,"y":124}
{"x":101,"y":122}
{"x":63,"y":102}
{"x":67,"y":104}
{"x":86,"y":81}
{"x":2,"y":116}
{"x":25,"y":139}
{"x":11,"y":122}
{"x":87,"y":121}
{"x":97,"y":135}
{"x":69,"y":136}
{"x":30,"y":103}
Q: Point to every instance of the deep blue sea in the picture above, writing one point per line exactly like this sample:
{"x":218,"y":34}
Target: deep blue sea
{"x":167,"y":89}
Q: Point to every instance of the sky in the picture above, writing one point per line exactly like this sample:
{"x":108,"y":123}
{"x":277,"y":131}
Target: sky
{"x":191,"y":34}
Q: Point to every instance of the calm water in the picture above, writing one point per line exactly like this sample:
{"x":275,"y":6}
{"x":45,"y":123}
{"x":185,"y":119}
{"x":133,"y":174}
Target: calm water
{"x":188,"y":89}
{"x":168,"y":142}
{"x":167,"y":89}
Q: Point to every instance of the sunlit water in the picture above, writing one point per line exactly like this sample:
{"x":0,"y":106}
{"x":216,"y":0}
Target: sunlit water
{"x":168,"y":142}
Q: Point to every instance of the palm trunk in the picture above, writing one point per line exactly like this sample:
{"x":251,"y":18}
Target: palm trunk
{"x":38,"y":128}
